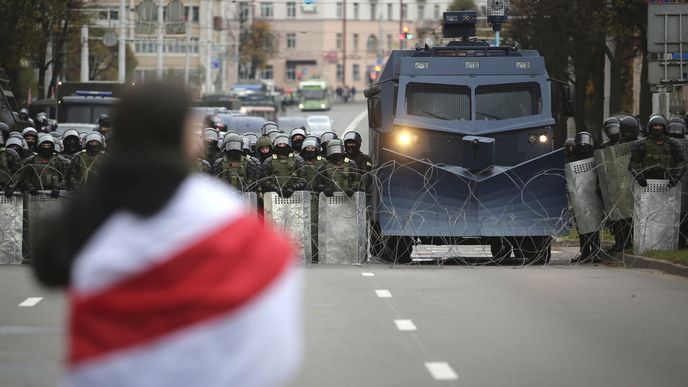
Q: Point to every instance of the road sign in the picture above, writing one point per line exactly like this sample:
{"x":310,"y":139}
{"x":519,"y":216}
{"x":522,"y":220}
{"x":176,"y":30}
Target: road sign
{"x":110,"y":38}
{"x":215,"y":65}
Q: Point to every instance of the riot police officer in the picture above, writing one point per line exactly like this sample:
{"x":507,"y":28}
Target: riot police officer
{"x":569,"y":149}
{"x":630,"y":128}
{"x":312,"y":163}
{"x":284,"y":170}
{"x":42,"y":123}
{"x":31,"y":137}
{"x":656,"y":156}
{"x":234,"y":168}
{"x":71,"y":143}
{"x":612,"y":128}
{"x":352,"y":146}
{"x":252,"y":139}
{"x":104,"y":126}
{"x":16,"y":144}
{"x":263,"y":149}
{"x":45,"y":170}
{"x":85,"y":164}
{"x":24,"y":116}
{"x":584,"y":146}
{"x":9,"y":166}
{"x":211,"y":140}
{"x":297,"y":136}
{"x":324,"y":139}
{"x":201,"y":165}
{"x":676,"y":128}
{"x":340,"y":172}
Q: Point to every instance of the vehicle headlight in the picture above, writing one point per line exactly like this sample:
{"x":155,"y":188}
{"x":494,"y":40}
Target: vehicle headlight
{"x":406,"y":138}
{"x":532,"y":139}
{"x":300,"y":106}
{"x":323,"y":106}
{"x":543,"y":138}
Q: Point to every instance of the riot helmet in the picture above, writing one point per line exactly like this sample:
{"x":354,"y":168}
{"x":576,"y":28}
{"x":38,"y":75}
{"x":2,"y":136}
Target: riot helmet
{"x":210,"y":137}
{"x":656,"y":126}
{"x":233,"y":147}
{"x":584,"y":144}
{"x":245,"y":145}
{"x":630,"y":128}
{"x":335,"y":150}
{"x":612,"y":128}
{"x":42,"y":119}
{"x":297,"y":136}
{"x":31,"y":137}
{"x":280,"y":145}
{"x":94,"y":143}
{"x":252,"y":137}
{"x":45,"y":146}
{"x":4,"y":130}
{"x":272,"y":134}
{"x":325,"y":138}
{"x":17,"y":144}
{"x":269,"y":127}
{"x":309,"y":149}
{"x":104,"y":121}
{"x":263,"y":148}
{"x":71,"y":141}
{"x":676,"y":128}
{"x":24,"y":114}
{"x":221,"y":136}
{"x":352,"y":142}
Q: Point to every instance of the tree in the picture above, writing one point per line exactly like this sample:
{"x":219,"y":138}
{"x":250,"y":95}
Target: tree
{"x":258,"y":45}
{"x":102,"y":60}
{"x":462,"y":5}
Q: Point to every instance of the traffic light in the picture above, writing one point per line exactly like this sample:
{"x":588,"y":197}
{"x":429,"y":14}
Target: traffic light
{"x":405,"y":34}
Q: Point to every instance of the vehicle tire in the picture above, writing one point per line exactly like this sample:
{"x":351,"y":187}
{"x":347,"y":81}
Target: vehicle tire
{"x":397,"y":249}
{"x":538,"y":250}
{"x":501,"y":248}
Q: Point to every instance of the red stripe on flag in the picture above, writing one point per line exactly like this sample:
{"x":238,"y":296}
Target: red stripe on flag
{"x":213,"y":277}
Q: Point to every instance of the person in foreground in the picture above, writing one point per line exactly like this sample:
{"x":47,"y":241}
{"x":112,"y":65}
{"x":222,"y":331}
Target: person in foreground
{"x":167,"y":285}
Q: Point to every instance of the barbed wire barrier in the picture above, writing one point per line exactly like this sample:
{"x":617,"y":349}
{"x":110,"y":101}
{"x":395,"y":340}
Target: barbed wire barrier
{"x":342,"y":229}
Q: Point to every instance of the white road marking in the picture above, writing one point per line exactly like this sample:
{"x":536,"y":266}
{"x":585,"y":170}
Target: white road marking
{"x":441,"y":371}
{"x":31,"y":301}
{"x":368,"y":274}
{"x":383,"y":293}
{"x":353,"y":124}
{"x":405,"y":325}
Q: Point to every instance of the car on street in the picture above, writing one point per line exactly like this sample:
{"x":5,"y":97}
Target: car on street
{"x":287,"y":123}
{"x":318,"y":124}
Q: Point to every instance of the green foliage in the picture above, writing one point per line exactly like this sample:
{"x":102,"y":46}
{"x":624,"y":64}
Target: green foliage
{"x":462,"y":5}
{"x":680,"y":256}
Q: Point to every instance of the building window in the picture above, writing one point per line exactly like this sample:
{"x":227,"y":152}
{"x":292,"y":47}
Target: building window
{"x":338,"y":41}
{"x":291,"y":41}
{"x":404,"y":15}
{"x":339,"y":10}
{"x":243,"y":11}
{"x":437,"y":11}
{"x":291,"y":73}
{"x":355,"y":45}
{"x":191,"y":14}
{"x":267,"y":72}
{"x":357,"y":72}
{"x":373,"y":11}
{"x":390,"y":9}
{"x":340,"y":73}
{"x":266,"y":10}
{"x":421,"y":11}
{"x":371,"y":45}
{"x":291,"y":10}
{"x":356,"y":11}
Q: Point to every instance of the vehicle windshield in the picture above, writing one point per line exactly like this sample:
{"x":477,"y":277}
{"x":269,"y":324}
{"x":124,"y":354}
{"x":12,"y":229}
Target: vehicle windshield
{"x":501,"y":102}
{"x":313,"y":94}
{"x":442,"y":102}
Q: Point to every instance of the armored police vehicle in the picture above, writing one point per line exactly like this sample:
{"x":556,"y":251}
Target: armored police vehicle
{"x":462,"y":138}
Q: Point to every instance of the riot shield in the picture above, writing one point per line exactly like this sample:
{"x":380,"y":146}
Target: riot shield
{"x":11,"y":216}
{"x":292,"y":215}
{"x":684,"y":178}
{"x":581,"y":185}
{"x":342,"y":228}
{"x":38,"y":206}
{"x":250,"y":200}
{"x":615,"y":180}
{"x":656,"y":216}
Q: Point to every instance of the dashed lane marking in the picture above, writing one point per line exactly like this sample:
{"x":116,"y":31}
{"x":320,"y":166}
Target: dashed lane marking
{"x":31,"y":301}
{"x":441,"y":371}
{"x":368,"y":274}
{"x":383,"y":293}
{"x":405,"y":325}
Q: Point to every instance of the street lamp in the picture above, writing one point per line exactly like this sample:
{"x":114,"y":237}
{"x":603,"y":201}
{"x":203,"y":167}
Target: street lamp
{"x":497,"y":14}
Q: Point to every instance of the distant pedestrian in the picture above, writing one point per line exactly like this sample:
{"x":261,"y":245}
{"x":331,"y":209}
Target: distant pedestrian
{"x":172,"y":283}
{"x":345,"y":92}
{"x":339,"y":92}
{"x":353,"y":93}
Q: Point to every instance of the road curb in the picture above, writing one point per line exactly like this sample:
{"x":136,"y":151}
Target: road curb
{"x":639,"y":262}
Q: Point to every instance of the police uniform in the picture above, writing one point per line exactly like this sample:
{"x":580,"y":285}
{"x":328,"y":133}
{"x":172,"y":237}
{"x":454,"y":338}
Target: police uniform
{"x":339,"y":173}
{"x":83,"y":168}
{"x":9,"y":165}
{"x":202,"y":166}
{"x":283,"y":171}
{"x":41,"y":173}
{"x":240,"y":174}
{"x":589,"y":242}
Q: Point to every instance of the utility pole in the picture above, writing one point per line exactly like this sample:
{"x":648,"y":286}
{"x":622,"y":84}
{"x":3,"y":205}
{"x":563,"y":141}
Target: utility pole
{"x":401,"y":24}
{"x":161,"y":31}
{"x":187,"y":54}
{"x":84,"y":54}
{"x":344,"y":43}
{"x":121,"y":59}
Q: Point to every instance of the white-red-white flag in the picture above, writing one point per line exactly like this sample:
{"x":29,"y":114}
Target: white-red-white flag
{"x":201,"y":294}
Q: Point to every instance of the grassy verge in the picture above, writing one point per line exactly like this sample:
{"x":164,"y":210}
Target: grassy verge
{"x":680,"y":256}
{"x":605,"y":235}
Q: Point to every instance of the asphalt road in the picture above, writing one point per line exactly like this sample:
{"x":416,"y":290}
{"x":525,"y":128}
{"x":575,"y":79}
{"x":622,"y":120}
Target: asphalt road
{"x":426,"y":325}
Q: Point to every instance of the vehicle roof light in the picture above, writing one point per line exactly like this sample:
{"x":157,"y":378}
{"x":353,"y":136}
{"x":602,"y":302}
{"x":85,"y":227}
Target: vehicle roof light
{"x":91,"y":93}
